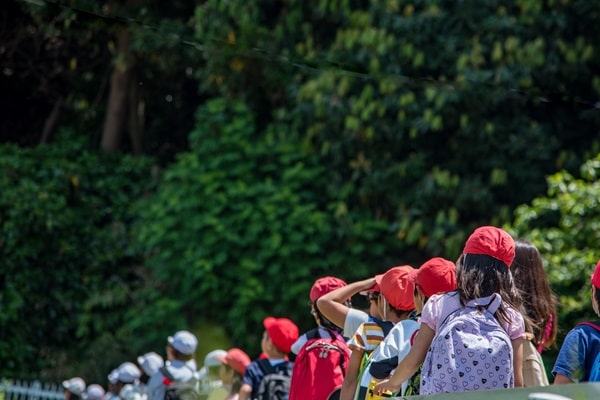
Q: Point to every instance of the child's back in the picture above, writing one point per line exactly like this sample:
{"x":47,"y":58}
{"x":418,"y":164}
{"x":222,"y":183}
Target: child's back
{"x":579,"y":356}
{"x":482,"y":274}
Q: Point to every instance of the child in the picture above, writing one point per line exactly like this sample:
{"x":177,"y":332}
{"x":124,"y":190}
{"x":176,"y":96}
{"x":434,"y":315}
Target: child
{"x":209,"y":375}
{"x":322,"y":353}
{"x":94,"y":392}
{"x":149,"y":363}
{"x":336,"y":308}
{"x":325,"y":327}
{"x":539,"y":310}
{"x":437,"y":275}
{"x":73,"y":388}
{"x":483,"y":283}
{"x":396,"y":305}
{"x":578,"y":359}
{"x":276,"y":343}
{"x":180,"y":365}
{"x":231,"y":373}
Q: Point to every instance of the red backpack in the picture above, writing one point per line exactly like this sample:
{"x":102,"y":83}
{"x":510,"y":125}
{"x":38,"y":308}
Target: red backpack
{"x":320,"y":367}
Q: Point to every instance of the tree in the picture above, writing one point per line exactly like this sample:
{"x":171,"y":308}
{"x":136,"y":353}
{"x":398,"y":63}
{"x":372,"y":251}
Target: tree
{"x":564,"y":226}
{"x":427,"y":114}
{"x":67,"y":268}
{"x":241,"y":226}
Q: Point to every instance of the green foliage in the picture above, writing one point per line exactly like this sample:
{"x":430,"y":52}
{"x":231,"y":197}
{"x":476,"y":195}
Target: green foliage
{"x":243,"y":224}
{"x":67,"y":269}
{"x":427,"y":113}
{"x":565,"y":226}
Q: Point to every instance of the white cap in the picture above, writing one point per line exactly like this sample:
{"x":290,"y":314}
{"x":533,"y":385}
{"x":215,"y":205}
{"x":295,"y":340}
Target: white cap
{"x":212,"y":358}
{"x":75,"y":385}
{"x":113,"y":376}
{"x":127,"y":392}
{"x":184,"y":342}
{"x":150,"y":363}
{"x":128,"y":372}
{"x":94,"y":392}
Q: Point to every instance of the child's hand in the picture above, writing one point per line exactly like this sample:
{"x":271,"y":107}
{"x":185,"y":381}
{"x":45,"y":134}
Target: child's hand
{"x":386,"y":385}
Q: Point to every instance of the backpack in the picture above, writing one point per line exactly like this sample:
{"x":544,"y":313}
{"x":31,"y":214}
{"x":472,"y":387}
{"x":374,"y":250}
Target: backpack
{"x":320,"y":367}
{"x":470,"y":351}
{"x":275,"y":385}
{"x":534,"y":372}
{"x":176,"y":390}
{"x":594,"y":375}
{"x":386,"y":327}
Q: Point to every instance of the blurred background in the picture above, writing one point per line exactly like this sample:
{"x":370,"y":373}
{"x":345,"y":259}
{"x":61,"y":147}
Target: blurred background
{"x":198,"y":164}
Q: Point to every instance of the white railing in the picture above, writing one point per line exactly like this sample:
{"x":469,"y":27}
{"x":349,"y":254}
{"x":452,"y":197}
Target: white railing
{"x":20,"y":390}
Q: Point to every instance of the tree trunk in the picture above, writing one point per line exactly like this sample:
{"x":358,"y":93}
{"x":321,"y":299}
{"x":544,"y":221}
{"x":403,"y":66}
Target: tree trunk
{"x":51,"y":121}
{"x":116,"y":110}
{"x":137,"y":109}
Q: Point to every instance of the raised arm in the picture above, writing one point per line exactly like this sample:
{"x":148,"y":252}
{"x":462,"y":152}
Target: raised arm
{"x":332,"y":306}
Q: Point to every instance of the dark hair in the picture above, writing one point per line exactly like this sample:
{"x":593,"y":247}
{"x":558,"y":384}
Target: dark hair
{"x":480,"y":275}
{"x":144,"y":378}
{"x":597,"y":295}
{"x":324,"y":322}
{"x":539,"y":302}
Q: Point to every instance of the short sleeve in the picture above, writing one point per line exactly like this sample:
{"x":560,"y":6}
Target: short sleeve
{"x":353,"y":320}
{"x":359,"y":340}
{"x":571,"y":357}
{"x":516,"y":327}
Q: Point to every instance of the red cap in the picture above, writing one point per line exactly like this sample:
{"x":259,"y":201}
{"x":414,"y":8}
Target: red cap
{"x":596,"y":276}
{"x":397,"y":288}
{"x":282,"y":331}
{"x":325,"y":285}
{"x":374,"y":288}
{"x":436,"y":275}
{"x":493,"y":242}
{"x":236,"y":359}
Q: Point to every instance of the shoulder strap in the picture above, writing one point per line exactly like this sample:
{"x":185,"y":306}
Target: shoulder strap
{"x":593,"y":325}
{"x":313,"y":334}
{"x":385,"y":326}
{"x":491,"y":303}
{"x":163,"y":370}
{"x":265,"y":366}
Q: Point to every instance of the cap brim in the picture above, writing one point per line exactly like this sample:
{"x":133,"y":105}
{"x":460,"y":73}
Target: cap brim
{"x":221,"y":359}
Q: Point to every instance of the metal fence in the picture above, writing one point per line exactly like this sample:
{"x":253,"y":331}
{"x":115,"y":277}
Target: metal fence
{"x":21,"y":390}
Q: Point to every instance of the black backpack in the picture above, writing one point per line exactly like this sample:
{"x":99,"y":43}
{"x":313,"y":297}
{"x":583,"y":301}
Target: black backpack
{"x":176,"y":390}
{"x":275,"y":385}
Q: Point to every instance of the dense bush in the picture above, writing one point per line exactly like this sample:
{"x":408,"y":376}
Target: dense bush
{"x":67,"y":268}
{"x":242,"y":225}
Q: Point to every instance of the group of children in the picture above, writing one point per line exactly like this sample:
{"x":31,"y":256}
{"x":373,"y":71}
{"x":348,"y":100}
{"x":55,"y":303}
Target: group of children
{"x":480,"y":323}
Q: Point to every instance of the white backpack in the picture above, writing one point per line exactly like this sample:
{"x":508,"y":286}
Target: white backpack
{"x":470,"y":351}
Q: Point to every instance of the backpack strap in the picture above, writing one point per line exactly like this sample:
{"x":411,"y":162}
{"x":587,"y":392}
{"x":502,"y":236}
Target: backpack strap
{"x":592,"y":324}
{"x":265,"y":366}
{"x":386,"y":326}
{"x":163,"y":370}
{"x":491,"y":303}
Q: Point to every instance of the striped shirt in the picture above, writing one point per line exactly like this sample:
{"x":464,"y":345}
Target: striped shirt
{"x":367,"y":337}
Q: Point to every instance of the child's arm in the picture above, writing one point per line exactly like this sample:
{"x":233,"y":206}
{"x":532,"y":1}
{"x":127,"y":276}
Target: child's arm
{"x":560,"y":379}
{"x":332,"y":305}
{"x":245,"y":392}
{"x":350,"y":380}
{"x":517,"y":345}
{"x":409,"y":364}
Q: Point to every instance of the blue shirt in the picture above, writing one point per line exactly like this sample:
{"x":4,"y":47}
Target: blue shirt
{"x":254,"y":373}
{"x":578,"y":353}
